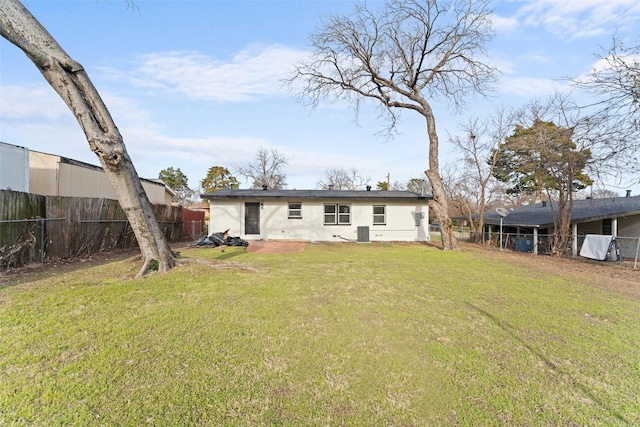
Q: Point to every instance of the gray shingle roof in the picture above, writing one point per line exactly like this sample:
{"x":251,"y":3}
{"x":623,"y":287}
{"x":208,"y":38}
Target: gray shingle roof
{"x":293,"y":195}
{"x":540,"y":216}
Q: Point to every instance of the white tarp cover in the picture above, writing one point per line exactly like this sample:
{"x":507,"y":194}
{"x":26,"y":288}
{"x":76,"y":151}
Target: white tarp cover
{"x":596,"y":246}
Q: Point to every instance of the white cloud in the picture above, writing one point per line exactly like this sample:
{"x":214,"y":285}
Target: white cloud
{"x":32,"y":102}
{"x":253,"y":72}
{"x":528,"y":87}
{"x":571,"y":19}
{"x":504,"y":24}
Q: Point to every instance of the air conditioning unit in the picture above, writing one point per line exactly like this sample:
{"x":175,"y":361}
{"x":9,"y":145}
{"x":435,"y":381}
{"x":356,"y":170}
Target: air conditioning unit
{"x":363,"y":234}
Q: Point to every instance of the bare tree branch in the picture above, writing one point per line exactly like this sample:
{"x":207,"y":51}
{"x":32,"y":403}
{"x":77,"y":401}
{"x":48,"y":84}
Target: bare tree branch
{"x":266,"y":170}
{"x":342,"y":179}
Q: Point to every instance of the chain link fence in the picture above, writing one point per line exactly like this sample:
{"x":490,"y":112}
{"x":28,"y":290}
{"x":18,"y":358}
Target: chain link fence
{"x":22,"y":242}
{"x":628,"y":247}
{"x":28,"y":241}
{"x":36,"y":228}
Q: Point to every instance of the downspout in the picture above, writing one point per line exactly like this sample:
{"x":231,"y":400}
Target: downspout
{"x":535,"y":240}
{"x":574,"y":240}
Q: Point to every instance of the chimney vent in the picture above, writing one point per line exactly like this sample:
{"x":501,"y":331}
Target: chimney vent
{"x":330,"y":186}
{"x":368,"y":188}
{"x":628,"y":193}
{"x":264,"y":187}
{"x":544,"y":203}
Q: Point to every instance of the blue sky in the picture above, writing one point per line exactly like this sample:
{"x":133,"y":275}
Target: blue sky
{"x":194,"y":84}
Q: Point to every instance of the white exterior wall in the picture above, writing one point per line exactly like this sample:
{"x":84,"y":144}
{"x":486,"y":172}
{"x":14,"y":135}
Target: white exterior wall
{"x":275,"y":225}
{"x":629,"y":226}
{"x":14,"y":168}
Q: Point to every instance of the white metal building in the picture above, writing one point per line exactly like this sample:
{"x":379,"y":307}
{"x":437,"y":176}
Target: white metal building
{"x":14,"y":167}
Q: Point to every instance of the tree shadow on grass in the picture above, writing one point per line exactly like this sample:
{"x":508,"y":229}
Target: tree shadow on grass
{"x":511,"y":331}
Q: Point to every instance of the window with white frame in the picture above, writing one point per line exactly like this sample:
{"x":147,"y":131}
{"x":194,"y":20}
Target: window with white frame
{"x":295,"y":210}
{"x":337,"y":214}
{"x":379,"y":215}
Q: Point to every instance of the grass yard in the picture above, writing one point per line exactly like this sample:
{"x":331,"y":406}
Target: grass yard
{"x":337,"y":335}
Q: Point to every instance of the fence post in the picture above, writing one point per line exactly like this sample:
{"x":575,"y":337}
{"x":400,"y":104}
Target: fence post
{"x":193,"y":229}
{"x":42,"y":241}
{"x":637,"y":250}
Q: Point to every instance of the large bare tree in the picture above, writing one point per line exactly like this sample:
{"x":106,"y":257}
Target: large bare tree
{"x":476,"y":187}
{"x":266,"y":170}
{"x":342,"y":179}
{"x":407,"y":55}
{"x":612,"y":119}
{"x":69,"y":79}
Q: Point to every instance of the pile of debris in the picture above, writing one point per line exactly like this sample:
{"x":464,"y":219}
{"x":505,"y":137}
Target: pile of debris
{"x":220,"y":239}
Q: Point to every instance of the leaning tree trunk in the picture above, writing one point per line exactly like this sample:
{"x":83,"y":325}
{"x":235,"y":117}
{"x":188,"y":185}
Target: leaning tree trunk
{"x":439,"y":203}
{"x":72,"y":83}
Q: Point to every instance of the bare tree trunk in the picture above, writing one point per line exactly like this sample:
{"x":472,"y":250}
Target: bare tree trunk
{"x":562,"y":224}
{"x":439,"y":203}
{"x":72,"y":83}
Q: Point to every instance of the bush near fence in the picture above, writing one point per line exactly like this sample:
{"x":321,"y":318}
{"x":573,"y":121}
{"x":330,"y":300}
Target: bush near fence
{"x":34,"y":228}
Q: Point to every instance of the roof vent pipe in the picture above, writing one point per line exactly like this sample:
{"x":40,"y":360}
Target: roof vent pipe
{"x":628,"y":193}
{"x":330,"y":186}
{"x":264,"y":187}
{"x":368,"y":188}
{"x":544,"y":203}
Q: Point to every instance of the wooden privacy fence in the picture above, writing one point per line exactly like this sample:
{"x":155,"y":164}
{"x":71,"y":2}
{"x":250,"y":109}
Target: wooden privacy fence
{"x":34,"y":227}
{"x":192,"y":223}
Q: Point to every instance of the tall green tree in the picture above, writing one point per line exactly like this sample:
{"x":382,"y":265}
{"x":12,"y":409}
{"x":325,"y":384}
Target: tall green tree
{"x":406,"y":55}
{"x":382,"y":185}
{"x":218,"y":178}
{"x":178,"y":182}
{"x":418,"y":185}
{"x":543,"y":159}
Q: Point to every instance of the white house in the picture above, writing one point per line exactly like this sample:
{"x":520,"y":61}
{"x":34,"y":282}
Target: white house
{"x":320,"y":215}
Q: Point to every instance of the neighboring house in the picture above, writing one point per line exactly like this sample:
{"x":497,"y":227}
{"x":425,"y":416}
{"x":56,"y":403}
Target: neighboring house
{"x":320,"y":215}
{"x":14,"y":168}
{"x":617,"y":216}
{"x":53,"y":175}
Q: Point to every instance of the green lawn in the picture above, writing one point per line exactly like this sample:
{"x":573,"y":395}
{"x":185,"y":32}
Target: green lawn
{"x":341,"y":334}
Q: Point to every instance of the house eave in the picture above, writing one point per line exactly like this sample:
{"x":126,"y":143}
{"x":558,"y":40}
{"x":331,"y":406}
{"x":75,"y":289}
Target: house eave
{"x":315,"y":195}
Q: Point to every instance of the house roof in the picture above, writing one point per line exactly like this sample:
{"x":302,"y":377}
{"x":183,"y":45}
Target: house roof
{"x":540,"y":215}
{"x":291,"y":195}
